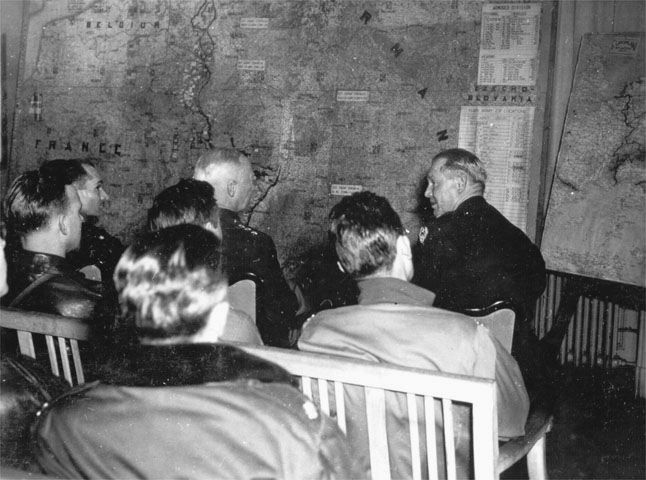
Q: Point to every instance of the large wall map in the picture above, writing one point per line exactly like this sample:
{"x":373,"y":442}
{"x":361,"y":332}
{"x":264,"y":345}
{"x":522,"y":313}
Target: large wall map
{"x":596,"y":216}
{"x":316,"y":92}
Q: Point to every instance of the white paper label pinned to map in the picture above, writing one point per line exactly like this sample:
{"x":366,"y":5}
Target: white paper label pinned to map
{"x":352,"y":96}
{"x":254,"y":22}
{"x":344,"y":190}
{"x":255,"y":65}
{"x":509,"y":44}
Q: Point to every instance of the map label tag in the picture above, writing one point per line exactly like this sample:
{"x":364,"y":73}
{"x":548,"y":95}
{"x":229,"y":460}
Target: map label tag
{"x":255,"y":65}
{"x":352,"y":95}
{"x":254,"y":22}
{"x":344,"y":190}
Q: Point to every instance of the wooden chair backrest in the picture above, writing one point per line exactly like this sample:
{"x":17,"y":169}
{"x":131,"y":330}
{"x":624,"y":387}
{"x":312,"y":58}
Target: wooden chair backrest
{"x":242,"y":297}
{"x":61,"y":338}
{"x":501,"y":325}
{"x":334,"y":373}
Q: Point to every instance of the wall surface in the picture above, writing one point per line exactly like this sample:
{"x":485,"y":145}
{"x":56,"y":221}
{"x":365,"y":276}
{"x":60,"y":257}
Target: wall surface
{"x":324,"y":96}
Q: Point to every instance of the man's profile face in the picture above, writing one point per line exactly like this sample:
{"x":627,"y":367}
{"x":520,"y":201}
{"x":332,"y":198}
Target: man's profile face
{"x":74,"y":219}
{"x":442,"y":191}
{"x":91,"y":193}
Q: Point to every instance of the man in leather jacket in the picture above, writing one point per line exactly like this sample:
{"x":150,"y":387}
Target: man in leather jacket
{"x":249,"y":253}
{"x":177,"y":403}
{"x":45,"y":215}
{"x":97,"y":246}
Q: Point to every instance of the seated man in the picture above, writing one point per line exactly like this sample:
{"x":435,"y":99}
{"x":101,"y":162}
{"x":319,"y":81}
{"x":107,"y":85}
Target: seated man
{"x":248,"y":251}
{"x":97,"y":247}
{"x":182,"y":404}
{"x":471,"y":256}
{"x":396,"y":323}
{"x":192,"y":201}
{"x":45,"y":215}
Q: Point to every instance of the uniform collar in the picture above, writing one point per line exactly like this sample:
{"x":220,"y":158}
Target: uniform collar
{"x":393,"y":290}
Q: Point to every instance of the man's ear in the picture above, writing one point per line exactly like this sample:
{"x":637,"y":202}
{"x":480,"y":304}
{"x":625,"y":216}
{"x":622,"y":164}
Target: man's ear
{"x":405,"y":257}
{"x":232,"y":187}
{"x":62,"y":224}
{"x":460,"y":179}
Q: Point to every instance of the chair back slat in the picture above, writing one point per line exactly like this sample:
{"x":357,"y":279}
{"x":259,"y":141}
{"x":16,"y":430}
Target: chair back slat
{"x":57,"y":332}
{"x":377,"y":436}
{"x":416,"y":460}
{"x":65,"y":361}
{"x":339,"y":401}
{"x":51,"y":351}
{"x":78,"y":366}
{"x":26,"y":343}
{"x":431,"y":446}
{"x":324,"y":401}
{"x":449,"y":446}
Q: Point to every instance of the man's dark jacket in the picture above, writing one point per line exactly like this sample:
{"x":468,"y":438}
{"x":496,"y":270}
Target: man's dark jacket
{"x":190,"y":411}
{"x":65,"y":291}
{"x":473,"y":257}
{"x":98,"y":248}
{"x":249,"y":251}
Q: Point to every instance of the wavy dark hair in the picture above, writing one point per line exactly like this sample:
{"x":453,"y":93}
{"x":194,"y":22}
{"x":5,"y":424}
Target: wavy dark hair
{"x":365,"y":229}
{"x":32,"y":200}
{"x":168,"y":281}
{"x":188,"y":201}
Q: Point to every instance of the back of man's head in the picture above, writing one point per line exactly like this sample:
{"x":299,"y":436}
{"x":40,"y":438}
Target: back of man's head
{"x":171,"y":286}
{"x":460,"y":160}
{"x":34,"y":198}
{"x":188,"y":201}
{"x":230,"y":174}
{"x":365,"y":229}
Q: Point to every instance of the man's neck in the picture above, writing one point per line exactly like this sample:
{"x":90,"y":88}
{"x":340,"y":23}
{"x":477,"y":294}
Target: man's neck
{"x":43,"y":242}
{"x":468,"y":193}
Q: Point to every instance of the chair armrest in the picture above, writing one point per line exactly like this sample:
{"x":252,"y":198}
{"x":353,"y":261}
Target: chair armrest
{"x":538,"y":424}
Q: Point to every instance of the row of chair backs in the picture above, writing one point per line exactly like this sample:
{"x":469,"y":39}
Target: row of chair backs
{"x":325,"y":378}
{"x":61,"y":336}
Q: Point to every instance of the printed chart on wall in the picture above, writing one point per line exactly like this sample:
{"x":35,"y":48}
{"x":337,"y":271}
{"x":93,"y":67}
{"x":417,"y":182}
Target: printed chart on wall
{"x":501,"y":138}
{"x":595,"y":217}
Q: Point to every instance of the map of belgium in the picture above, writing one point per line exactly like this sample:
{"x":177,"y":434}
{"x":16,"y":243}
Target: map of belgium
{"x":598,"y":195}
{"x":315,"y":92}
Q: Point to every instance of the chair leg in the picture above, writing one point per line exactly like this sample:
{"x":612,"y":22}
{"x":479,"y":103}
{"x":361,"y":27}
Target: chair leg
{"x":536,"y":466}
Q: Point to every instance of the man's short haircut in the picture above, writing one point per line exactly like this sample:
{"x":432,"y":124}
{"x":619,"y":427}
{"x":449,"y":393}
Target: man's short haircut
{"x":365,"y":229}
{"x":70,"y":171}
{"x":168,"y":282}
{"x":217,"y":157}
{"x":188,"y":201}
{"x":32,"y":200}
{"x":458,"y":159}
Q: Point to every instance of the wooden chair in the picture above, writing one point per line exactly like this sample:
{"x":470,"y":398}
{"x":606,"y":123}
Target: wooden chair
{"x":242,"y":297}
{"x":326,"y":373}
{"x":61,"y":332}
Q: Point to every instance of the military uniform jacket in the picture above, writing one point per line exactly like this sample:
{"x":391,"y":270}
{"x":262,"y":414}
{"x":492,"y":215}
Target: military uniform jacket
{"x":249,"y":253}
{"x":473,"y":257}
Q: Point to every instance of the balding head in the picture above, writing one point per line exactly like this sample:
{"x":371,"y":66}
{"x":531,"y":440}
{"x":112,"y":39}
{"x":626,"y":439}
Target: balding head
{"x":230,"y":174}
